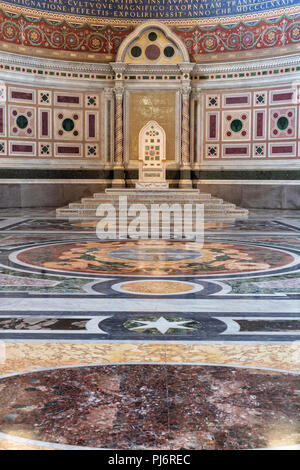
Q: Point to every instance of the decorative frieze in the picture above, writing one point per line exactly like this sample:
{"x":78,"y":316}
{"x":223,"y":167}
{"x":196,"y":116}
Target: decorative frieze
{"x":73,"y":39}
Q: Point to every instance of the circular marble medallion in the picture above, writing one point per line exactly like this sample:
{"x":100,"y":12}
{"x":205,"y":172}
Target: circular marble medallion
{"x":22,"y":122}
{"x":152,"y":52}
{"x":169,"y":51}
{"x":136,"y":51}
{"x":282,"y":123}
{"x":155,"y":258}
{"x":157,"y":287}
{"x":152,"y":406}
{"x":68,"y":125}
{"x":236,"y":125}
{"x":152,"y":36}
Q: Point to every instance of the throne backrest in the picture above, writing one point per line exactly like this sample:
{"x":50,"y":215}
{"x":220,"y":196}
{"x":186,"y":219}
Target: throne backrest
{"x":152,"y":145}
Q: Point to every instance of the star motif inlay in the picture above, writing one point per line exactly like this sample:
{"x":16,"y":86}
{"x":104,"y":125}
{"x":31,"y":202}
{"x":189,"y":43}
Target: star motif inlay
{"x":163,"y":325}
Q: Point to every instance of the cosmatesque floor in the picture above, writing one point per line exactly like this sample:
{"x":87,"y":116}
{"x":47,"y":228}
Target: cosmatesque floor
{"x":149,"y":344}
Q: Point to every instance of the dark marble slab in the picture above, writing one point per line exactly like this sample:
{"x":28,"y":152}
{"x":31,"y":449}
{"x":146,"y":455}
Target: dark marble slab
{"x":153,"y":407}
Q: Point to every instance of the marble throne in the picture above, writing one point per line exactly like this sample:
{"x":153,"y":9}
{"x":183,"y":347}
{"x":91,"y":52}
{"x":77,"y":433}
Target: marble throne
{"x":152,"y":157}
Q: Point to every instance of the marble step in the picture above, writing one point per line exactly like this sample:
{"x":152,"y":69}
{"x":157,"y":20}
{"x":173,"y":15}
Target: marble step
{"x":94,"y":207}
{"x":149,"y":200}
{"x":123,"y":191}
{"x":90,"y":203}
{"x":95,"y":220}
{"x":199,"y":197}
{"x":207,"y":207}
{"x":92,"y":213}
{"x":213,"y":207}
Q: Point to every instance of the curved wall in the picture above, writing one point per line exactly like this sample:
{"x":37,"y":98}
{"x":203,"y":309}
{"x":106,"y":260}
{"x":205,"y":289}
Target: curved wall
{"x":57,"y":116}
{"x":246,"y":29}
{"x":140,"y":10}
{"x":243,"y":115}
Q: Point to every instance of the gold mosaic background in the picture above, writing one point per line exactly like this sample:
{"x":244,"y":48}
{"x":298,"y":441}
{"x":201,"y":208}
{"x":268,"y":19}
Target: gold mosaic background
{"x":157,"y":106}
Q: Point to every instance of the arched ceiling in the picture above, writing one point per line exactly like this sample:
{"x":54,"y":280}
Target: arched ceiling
{"x":205,"y":11}
{"x":92,"y":30}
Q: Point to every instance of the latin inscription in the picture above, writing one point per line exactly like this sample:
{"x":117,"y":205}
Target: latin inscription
{"x":155,"y":9}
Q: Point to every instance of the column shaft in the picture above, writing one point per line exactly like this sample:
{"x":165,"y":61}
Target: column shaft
{"x":185,"y":130}
{"x":119,"y":130}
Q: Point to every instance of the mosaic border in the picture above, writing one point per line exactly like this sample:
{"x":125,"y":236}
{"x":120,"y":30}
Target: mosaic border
{"x":49,"y":36}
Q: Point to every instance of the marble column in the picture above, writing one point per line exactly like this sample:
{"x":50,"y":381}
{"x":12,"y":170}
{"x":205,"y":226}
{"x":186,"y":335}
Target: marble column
{"x":119,"y":173}
{"x":185,"y":126}
{"x":119,"y":177}
{"x":185,"y":167}
{"x":108,"y":128}
{"x":196,"y":131}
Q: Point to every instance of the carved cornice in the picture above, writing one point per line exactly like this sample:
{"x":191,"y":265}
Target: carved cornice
{"x":241,"y":66}
{"x":52,"y":64}
{"x":87,"y":67}
{"x":186,"y":68}
{"x":152,"y":69}
{"x":118,"y":67}
{"x":16,"y":67}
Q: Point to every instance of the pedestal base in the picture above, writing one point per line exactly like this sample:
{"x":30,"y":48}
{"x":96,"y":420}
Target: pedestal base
{"x":152,"y":185}
{"x":118,"y":184}
{"x":185,"y":177}
{"x":185,"y":184}
{"x":118,"y":178}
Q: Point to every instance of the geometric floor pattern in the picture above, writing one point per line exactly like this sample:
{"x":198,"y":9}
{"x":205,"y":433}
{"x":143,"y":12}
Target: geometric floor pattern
{"x":175,"y":344}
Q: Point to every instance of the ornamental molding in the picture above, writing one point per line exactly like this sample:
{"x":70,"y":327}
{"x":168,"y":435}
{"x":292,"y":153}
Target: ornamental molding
{"x":185,"y":91}
{"x":118,"y":67}
{"x":53,"y":64}
{"x":114,"y":67}
{"x":108,"y":93}
{"x":151,"y":69}
{"x":195,"y":94}
{"x":119,"y":92}
{"x":186,"y":68}
{"x":285,"y":61}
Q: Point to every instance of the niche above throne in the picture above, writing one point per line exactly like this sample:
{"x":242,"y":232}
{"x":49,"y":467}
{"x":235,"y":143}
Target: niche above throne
{"x":152,"y":156}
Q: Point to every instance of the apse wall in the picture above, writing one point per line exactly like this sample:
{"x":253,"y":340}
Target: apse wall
{"x":93,"y":30}
{"x":49,"y":127}
{"x":57,"y":134}
{"x":60,"y":82}
{"x":252,"y":127}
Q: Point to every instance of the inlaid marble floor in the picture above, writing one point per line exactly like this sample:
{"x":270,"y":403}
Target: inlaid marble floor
{"x":149,"y":344}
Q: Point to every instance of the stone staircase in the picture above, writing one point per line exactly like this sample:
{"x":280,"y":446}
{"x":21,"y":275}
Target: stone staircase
{"x":214,"y":208}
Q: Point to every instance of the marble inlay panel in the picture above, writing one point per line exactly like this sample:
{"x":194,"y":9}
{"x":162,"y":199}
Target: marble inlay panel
{"x":99,"y":406}
{"x":170,"y":258}
{"x":210,"y":359}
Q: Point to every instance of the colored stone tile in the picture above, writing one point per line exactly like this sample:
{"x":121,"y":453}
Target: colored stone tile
{"x":153,"y":407}
{"x":170,"y":258}
{"x":274,"y":356}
